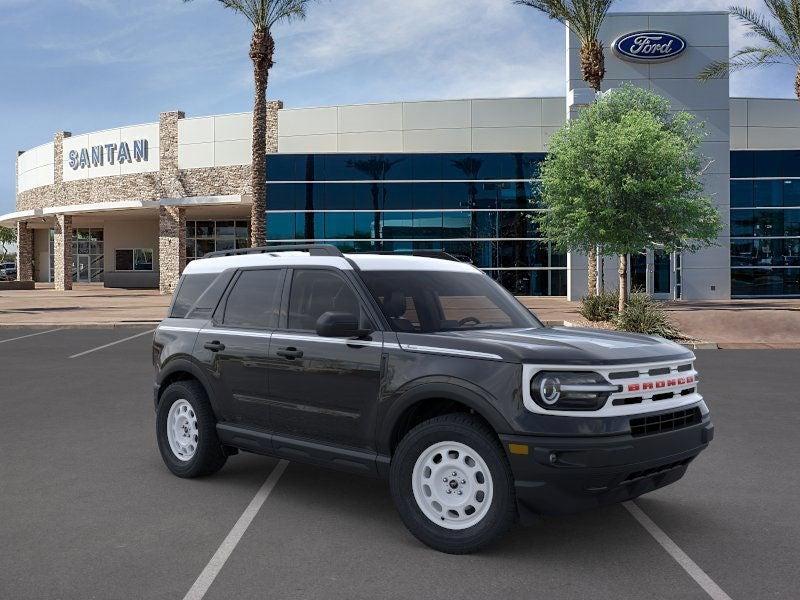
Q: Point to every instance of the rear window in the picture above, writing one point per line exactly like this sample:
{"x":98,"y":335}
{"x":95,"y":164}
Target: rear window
{"x":192,"y":286}
{"x":255,"y":299}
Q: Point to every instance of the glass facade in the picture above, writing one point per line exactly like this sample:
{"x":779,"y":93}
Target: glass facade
{"x":210,"y":236}
{"x":475,"y":205}
{"x":765,"y":223}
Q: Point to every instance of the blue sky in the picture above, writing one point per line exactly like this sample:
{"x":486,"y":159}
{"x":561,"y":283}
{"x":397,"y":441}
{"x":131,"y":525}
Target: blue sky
{"x":84,"y":65}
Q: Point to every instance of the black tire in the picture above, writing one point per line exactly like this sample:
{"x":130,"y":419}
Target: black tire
{"x":471,"y":431}
{"x":209,"y":457}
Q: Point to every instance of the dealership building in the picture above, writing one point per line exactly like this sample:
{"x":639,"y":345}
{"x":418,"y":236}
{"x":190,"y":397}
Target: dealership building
{"x":128,"y":207}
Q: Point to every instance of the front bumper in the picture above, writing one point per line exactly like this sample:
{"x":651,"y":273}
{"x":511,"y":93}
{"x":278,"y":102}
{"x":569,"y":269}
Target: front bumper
{"x":561,"y":475}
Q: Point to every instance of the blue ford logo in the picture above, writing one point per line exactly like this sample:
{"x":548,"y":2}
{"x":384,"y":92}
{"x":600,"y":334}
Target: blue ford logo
{"x":649,"y":46}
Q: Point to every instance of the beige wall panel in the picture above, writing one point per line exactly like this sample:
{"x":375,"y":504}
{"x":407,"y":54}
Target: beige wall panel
{"x":371,"y":141}
{"x":507,"y":112}
{"x":196,"y":131}
{"x":438,"y":140}
{"x":370,"y":117}
{"x":444,"y":114}
{"x":507,"y":139}
{"x":307,"y":121}
{"x":308,"y":143}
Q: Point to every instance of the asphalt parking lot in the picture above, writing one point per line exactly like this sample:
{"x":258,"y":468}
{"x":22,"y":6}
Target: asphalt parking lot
{"x":87,"y":509}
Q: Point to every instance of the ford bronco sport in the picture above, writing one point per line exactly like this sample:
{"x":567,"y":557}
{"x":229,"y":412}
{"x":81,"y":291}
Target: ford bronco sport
{"x":423,"y":371}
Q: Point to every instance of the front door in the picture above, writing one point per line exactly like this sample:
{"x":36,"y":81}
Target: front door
{"x":662,"y":274}
{"x":324,"y":389}
{"x":83,"y":269}
{"x":638,"y":270}
{"x":233,"y":347}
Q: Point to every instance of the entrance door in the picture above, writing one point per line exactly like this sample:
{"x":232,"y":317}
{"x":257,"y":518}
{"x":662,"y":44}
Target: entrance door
{"x":83,"y":269}
{"x":651,"y":272}
{"x":638,"y":270}
{"x":662,"y":273}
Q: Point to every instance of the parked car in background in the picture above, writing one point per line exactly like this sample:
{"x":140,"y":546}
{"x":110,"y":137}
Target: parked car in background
{"x":8,"y":271}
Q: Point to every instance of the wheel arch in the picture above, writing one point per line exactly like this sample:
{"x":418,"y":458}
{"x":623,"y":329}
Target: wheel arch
{"x":432,"y":399}
{"x":183,"y":369}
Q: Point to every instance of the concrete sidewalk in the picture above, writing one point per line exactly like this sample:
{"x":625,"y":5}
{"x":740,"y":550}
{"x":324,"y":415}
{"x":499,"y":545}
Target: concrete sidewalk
{"x":85,"y":306}
{"x":731,"y":324}
{"x":736,"y":324}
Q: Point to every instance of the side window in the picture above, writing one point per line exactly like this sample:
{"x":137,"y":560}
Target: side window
{"x":255,"y":299}
{"x":401,"y":310}
{"x":192,"y":286}
{"x":315,"y":292}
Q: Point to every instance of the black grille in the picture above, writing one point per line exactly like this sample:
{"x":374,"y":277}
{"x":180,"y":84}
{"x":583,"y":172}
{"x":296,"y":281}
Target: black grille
{"x":636,"y":475}
{"x":665,"y":422}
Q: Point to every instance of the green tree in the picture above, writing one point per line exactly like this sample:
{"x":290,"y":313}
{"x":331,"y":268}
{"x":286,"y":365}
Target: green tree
{"x":7,"y":236}
{"x":626,"y":175}
{"x":778,"y":37}
{"x":263,"y":15}
{"x":584,"y":19}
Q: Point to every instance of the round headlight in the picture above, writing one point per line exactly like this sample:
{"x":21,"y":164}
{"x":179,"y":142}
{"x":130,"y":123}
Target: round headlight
{"x":549,"y":389}
{"x":570,"y":390}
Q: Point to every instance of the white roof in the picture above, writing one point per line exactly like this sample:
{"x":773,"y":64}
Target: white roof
{"x":365,"y":262}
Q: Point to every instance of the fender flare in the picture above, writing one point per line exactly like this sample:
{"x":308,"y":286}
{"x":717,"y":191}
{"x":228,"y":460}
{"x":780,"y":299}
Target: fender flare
{"x":457,"y":390}
{"x":184,"y":364}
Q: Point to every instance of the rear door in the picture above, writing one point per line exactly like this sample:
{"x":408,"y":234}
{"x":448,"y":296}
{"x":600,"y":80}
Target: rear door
{"x":234,"y":344}
{"x":324,"y":389}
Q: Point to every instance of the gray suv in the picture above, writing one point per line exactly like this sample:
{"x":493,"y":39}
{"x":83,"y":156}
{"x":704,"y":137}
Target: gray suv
{"x":423,"y":371}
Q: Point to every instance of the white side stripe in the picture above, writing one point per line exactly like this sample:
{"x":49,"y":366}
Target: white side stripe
{"x":450,"y":352}
{"x":174,"y":328}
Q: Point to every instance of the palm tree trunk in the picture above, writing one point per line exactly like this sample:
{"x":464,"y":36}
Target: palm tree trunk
{"x":797,"y":84}
{"x":623,"y":282}
{"x":262,"y":48}
{"x":593,"y":67}
{"x":593,"y":70}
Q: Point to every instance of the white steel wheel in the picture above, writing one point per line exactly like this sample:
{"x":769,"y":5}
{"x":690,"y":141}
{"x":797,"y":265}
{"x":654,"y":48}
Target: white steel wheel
{"x":452,"y":485}
{"x":182,"y":433}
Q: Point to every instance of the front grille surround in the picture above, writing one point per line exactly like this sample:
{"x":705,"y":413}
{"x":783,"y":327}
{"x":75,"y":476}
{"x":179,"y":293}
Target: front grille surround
{"x":627,"y":400}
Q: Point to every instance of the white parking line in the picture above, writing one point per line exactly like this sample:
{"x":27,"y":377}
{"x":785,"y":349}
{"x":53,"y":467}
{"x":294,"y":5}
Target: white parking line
{"x":22,"y":337}
{"x":111,"y":344}
{"x":688,"y":565}
{"x":214,"y":566}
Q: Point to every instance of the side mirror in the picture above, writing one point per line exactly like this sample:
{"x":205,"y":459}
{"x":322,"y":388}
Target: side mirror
{"x":339,"y":325}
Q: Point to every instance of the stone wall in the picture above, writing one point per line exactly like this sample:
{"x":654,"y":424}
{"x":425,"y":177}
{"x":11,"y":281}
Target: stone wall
{"x":24,"y":252}
{"x":171,"y":246}
{"x":62,"y":251}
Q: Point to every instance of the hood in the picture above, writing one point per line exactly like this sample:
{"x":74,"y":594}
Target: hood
{"x":557,"y":345}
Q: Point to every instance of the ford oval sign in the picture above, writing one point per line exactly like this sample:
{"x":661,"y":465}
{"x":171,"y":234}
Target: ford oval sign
{"x":649,"y":46}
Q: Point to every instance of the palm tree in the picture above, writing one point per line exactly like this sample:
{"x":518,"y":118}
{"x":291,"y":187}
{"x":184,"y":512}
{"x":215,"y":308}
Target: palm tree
{"x":584,"y":19}
{"x":779,"y":41}
{"x":377,"y":169}
{"x":263,"y":15}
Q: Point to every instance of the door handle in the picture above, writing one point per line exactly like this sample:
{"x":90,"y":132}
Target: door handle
{"x":290,"y":353}
{"x":214,"y":346}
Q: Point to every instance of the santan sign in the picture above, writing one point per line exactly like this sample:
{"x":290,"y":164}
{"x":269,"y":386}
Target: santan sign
{"x":97,"y":156}
{"x":649,"y":46}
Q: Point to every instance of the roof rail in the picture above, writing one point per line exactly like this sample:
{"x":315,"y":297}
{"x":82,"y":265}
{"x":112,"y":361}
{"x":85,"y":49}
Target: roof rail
{"x":424,"y":253}
{"x":312,"y":249}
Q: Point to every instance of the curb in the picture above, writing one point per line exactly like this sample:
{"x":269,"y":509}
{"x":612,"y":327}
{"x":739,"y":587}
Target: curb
{"x":95,"y":325}
{"x":690,"y":345}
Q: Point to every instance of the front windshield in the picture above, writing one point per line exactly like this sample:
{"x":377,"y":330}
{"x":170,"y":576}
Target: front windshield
{"x":434,"y":301}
